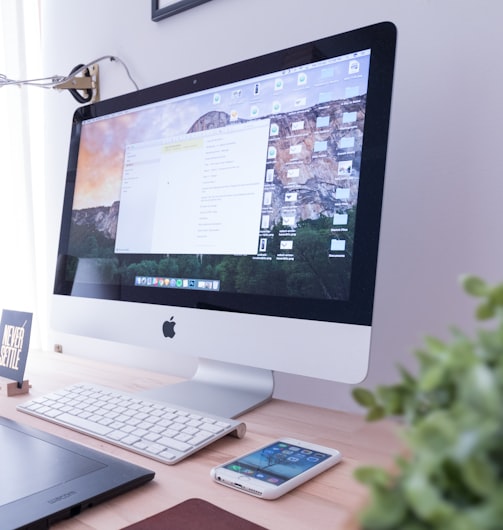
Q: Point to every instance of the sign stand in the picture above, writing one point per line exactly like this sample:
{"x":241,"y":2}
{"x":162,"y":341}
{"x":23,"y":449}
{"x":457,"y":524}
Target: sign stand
{"x":13,"y":388}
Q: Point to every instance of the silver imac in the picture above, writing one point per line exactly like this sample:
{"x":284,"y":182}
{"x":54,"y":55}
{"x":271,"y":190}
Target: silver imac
{"x":234,"y":216}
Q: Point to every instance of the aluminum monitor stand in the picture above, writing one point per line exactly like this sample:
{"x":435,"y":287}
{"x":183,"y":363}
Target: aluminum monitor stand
{"x":224,"y":389}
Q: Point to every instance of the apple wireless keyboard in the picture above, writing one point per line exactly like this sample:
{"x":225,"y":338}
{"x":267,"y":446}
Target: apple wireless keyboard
{"x":161,"y":431}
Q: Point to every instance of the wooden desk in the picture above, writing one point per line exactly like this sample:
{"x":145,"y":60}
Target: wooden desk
{"x":327,"y":502}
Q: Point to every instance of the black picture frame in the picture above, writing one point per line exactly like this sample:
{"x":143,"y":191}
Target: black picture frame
{"x":166,"y":8}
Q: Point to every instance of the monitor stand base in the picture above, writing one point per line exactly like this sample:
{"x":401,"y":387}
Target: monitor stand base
{"x":219,"y":388}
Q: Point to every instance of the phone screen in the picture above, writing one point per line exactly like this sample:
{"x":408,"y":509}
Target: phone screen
{"x":277,"y":463}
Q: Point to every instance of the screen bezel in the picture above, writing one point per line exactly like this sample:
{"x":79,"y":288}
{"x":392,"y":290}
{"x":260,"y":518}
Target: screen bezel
{"x":380,"y":38}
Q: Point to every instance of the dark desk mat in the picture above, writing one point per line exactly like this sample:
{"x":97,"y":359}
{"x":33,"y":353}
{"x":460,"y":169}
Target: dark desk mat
{"x":195,"y":514}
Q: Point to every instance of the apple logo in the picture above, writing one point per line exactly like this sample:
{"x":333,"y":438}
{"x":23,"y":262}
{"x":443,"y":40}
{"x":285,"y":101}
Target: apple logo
{"x":168,"y":328}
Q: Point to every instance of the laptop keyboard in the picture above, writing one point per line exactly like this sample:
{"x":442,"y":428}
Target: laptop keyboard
{"x":161,"y":431}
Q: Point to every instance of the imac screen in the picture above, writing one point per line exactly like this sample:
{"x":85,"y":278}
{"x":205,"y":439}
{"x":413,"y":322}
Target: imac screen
{"x":224,"y":192}
{"x":254,"y":188}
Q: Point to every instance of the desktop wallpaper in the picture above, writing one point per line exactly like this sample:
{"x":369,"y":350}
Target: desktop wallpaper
{"x":311,"y":173}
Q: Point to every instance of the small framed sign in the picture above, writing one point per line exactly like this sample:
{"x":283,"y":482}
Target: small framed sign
{"x":15,"y":330}
{"x":165,"y":8}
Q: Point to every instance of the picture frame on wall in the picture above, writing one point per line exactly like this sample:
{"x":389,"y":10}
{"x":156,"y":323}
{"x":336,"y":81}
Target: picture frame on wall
{"x":166,"y":8}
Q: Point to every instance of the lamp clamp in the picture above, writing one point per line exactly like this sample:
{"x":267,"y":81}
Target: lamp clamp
{"x":84,"y":85}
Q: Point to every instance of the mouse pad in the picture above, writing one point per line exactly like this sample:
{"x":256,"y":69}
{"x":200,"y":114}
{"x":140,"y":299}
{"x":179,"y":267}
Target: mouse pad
{"x":195,"y":514}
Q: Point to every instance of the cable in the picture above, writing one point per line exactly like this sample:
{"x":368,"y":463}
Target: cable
{"x":55,"y":80}
{"x":123,"y":64}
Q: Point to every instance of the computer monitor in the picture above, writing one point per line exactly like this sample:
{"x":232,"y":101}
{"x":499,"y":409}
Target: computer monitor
{"x":234,"y":216}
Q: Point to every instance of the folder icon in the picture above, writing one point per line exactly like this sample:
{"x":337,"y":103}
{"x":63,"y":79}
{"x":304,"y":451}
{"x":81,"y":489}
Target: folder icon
{"x":322,"y":121}
{"x":348,"y":117}
{"x":338,"y":245}
{"x":342,"y":193}
{"x":340,"y":219}
{"x":347,"y":142}
{"x":320,"y":146}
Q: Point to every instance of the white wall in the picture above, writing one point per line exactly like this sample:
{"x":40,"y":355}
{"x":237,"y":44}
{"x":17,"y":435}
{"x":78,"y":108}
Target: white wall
{"x":444,"y":175}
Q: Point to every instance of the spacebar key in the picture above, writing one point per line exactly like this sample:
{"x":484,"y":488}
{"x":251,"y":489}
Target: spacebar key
{"x":82,"y":423}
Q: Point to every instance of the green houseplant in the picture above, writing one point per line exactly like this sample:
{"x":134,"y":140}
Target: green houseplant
{"x":450,"y":476}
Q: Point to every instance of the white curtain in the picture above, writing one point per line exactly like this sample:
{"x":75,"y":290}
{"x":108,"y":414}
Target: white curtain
{"x":22,"y":258}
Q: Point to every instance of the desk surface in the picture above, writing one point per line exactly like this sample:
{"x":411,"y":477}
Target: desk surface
{"x":328,"y":501}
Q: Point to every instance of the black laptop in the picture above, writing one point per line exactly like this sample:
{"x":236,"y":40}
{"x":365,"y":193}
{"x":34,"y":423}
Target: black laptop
{"x":45,"y":478}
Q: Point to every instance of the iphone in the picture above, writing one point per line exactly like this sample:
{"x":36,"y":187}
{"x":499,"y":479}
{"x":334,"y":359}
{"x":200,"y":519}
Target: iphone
{"x":276,"y":468}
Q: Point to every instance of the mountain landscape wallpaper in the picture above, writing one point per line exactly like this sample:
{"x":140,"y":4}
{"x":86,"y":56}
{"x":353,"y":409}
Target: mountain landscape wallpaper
{"x":311,"y":270}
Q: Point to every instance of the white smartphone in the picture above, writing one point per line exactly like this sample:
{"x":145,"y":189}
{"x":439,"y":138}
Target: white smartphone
{"x":276,"y":468}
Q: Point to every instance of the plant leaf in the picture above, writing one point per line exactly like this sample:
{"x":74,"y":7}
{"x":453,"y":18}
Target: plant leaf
{"x":479,"y":390}
{"x":385,"y":512}
{"x":364,"y":397}
{"x":426,"y":500}
{"x":485,"y":311}
{"x":433,"y":377}
{"x":475,"y":286}
{"x":479,"y":475}
{"x":407,"y":377}
{"x":496,"y":295}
